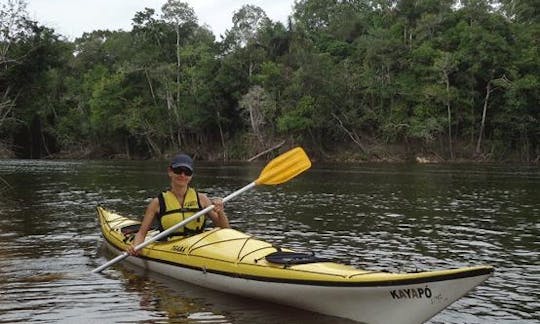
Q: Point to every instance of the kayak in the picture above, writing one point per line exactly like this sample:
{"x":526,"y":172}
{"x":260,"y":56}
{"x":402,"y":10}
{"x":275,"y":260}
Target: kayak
{"x":238,"y":263}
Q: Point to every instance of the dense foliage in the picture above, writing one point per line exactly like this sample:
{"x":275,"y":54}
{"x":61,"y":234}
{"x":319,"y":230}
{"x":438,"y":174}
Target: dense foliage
{"x":377,"y":79}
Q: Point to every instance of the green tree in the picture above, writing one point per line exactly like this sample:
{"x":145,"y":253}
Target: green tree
{"x":31,"y":61}
{"x":182,"y":17}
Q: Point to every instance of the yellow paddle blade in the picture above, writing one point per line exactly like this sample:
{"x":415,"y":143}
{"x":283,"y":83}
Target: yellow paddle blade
{"x":284,"y":167}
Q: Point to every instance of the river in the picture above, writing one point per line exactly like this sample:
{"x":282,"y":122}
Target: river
{"x":393,"y":217}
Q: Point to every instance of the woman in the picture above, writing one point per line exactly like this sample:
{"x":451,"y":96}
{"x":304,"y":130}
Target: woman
{"x":179,"y":202}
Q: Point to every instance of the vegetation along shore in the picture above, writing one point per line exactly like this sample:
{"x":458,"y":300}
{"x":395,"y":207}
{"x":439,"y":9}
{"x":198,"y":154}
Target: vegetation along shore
{"x":423,"y":81}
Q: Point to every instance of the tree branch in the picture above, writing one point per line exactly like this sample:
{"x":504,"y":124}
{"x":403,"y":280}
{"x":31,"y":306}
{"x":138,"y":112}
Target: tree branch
{"x":266,"y":151}
{"x":353,"y":136}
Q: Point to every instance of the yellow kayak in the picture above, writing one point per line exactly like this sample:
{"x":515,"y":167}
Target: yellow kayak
{"x":234,"y":262}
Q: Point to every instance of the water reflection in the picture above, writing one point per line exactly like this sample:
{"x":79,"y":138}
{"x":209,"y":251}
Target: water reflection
{"x":380,"y":217}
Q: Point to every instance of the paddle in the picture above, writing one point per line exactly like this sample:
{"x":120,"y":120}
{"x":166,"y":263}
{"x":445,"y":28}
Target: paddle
{"x":281,"y":169}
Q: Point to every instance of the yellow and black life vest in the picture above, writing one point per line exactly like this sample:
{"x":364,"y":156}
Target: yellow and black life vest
{"x":171,"y":213}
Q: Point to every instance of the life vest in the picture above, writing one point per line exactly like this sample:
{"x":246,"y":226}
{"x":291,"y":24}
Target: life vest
{"x":171,"y":213}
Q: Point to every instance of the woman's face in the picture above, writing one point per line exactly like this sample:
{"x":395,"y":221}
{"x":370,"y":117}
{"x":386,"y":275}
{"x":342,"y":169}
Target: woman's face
{"x":180,"y":175}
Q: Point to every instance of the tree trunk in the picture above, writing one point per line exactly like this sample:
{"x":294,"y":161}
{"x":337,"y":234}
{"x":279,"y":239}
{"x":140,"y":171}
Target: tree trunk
{"x":126,"y":148}
{"x":179,"y":131}
{"x":153,"y":146}
{"x":150,"y":86}
{"x":449,"y":113}
{"x":44,"y":141}
{"x":255,"y":120}
{"x":222,"y":136}
{"x":172,"y":111}
{"x":6,"y":105}
{"x":483,"y":122}
{"x":352,"y":134}
{"x":178,"y":66}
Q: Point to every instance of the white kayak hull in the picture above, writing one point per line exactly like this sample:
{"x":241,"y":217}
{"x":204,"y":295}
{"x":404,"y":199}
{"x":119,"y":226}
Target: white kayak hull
{"x":411,"y":303}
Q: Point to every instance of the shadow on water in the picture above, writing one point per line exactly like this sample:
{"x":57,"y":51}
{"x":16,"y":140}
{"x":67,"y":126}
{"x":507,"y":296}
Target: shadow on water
{"x":379,"y":217}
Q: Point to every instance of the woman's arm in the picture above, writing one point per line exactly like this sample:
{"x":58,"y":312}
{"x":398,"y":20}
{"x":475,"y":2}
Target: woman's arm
{"x":218,"y":216}
{"x":151,"y":211}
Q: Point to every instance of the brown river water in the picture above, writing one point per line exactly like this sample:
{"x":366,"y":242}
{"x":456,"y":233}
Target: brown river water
{"x":393,"y":217}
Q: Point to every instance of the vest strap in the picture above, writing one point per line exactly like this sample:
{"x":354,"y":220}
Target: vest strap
{"x":180,"y":210}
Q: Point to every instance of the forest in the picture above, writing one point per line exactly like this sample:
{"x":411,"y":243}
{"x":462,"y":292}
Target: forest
{"x":349,"y":80}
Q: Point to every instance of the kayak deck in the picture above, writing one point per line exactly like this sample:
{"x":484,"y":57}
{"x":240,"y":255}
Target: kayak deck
{"x":213,"y":250}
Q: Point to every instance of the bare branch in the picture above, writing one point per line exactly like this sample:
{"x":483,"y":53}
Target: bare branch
{"x":266,"y":151}
{"x":352,"y":134}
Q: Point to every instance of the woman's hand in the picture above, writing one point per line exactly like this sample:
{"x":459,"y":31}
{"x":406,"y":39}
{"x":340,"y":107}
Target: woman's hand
{"x":218,"y":206}
{"x":219,"y":218}
{"x":136,"y":241}
{"x":131,"y":250}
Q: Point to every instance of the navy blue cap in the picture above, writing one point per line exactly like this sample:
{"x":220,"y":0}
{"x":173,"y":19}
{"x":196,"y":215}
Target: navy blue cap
{"x":182,"y":160}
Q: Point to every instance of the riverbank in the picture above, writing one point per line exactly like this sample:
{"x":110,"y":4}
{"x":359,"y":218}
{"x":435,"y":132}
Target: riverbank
{"x":376,"y":153}
{"x":338,"y":157}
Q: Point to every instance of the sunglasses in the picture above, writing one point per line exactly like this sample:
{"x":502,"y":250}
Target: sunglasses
{"x":183,"y":170}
